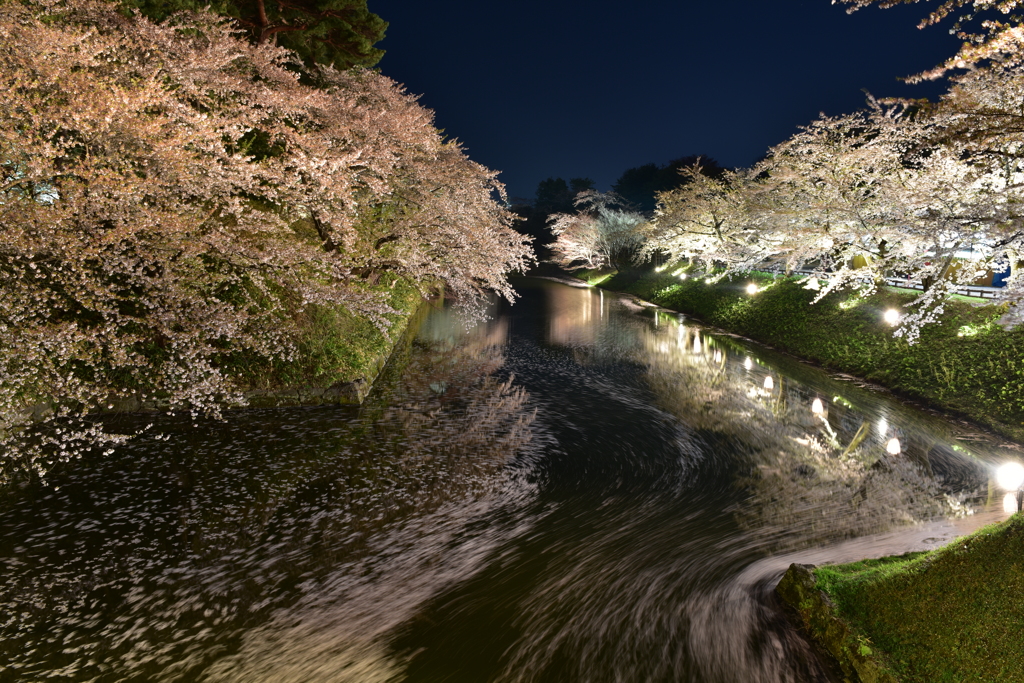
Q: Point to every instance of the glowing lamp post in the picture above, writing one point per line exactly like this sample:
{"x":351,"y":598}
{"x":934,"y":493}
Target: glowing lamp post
{"x":1011,"y":477}
{"x":818,"y":408}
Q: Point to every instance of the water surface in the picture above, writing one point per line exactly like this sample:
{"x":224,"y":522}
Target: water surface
{"x":583,"y":488}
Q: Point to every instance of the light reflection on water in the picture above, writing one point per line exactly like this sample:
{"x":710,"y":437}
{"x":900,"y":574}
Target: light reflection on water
{"x":583,"y":489}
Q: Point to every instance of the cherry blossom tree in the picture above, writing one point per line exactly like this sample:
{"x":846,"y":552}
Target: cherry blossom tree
{"x":172,"y":195}
{"x":999,"y":33}
{"x":602,"y":232}
{"x":707,"y":221}
{"x":856,"y":199}
{"x":866,"y":196}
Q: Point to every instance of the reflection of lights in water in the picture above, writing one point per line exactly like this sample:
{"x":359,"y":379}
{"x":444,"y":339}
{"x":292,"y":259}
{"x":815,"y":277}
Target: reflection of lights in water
{"x":571,"y":316}
{"x":718,"y":356}
{"x":1010,"y":477}
{"x":769,"y":383}
{"x":893,"y":447}
{"x":696,"y":343}
{"x":883,"y":426}
{"x":655,"y":318}
{"x":1010,"y":503}
{"x":817,"y":407}
{"x":892,"y":316}
{"x":752,"y":288}
{"x":748,"y":363}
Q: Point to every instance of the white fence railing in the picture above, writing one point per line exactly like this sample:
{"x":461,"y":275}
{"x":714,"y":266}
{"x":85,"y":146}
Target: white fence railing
{"x":976,"y":291}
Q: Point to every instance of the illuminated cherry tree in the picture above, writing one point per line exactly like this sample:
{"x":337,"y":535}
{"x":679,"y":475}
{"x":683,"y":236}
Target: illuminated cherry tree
{"x":172,"y":195}
{"x":926,"y":191}
{"x":602,"y":233}
{"x":999,"y":34}
{"x":877,"y":194}
{"x":707,"y":221}
{"x":894,"y":190}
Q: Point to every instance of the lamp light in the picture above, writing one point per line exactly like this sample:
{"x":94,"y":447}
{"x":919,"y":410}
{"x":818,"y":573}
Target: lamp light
{"x":1011,"y":477}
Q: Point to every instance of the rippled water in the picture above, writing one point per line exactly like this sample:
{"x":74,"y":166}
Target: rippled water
{"x":582,"y":489}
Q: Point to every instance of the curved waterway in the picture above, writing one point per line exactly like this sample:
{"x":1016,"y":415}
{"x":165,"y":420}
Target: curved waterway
{"x":582,"y":488}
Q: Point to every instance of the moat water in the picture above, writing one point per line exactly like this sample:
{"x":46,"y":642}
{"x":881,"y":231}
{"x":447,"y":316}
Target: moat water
{"x":581,"y":488}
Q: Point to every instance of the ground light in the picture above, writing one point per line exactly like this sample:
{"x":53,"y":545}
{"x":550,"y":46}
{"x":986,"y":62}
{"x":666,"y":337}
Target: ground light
{"x":1011,"y":477}
{"x":752,"y":288}
{"x":817,"y":407}
{"x":893,"y":447}
{"x":769,"y":383}
{"x":892,"y":316}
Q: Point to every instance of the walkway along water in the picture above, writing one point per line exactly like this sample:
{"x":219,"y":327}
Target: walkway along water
{"x":581,"y":489}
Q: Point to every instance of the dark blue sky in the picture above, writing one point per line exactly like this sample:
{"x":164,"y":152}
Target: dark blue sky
{"x":538,"y":88}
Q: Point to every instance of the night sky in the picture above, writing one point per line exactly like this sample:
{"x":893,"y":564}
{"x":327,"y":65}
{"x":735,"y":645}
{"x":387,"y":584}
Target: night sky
{"x":588,"y":89}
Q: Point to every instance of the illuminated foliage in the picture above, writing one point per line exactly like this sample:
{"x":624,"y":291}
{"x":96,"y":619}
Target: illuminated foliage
{"x":171,"y":195}
{"x":601,"y":233}
{"x":928,"y":193}
{"x":999,"y":34}
{"x":706,"y":220}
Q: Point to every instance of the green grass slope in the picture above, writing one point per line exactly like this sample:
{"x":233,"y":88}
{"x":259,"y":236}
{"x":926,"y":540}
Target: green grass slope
{"x":952,"y":615}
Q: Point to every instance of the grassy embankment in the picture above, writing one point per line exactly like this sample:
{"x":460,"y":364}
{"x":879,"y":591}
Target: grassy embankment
{"x":334,"y":348}
{"x":966,"y":363}
{"x":953,"y":615}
